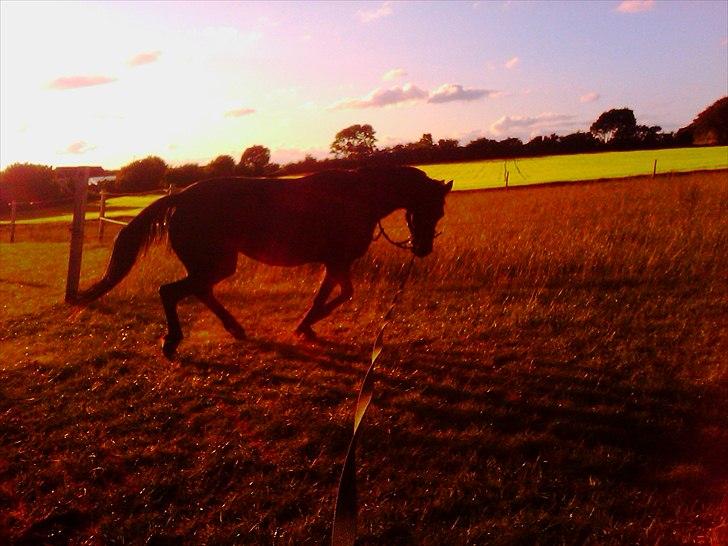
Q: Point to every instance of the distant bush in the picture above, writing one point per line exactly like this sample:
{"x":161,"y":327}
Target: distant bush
{"x":710,"y":127}
{"x":142,"y":175}
{"x":222,"y":165}
{"x":185,"y":175}
{"x":28,"y":182}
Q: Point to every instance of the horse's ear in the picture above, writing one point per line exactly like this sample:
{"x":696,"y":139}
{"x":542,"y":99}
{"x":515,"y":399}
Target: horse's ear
{"x":448,"y":186}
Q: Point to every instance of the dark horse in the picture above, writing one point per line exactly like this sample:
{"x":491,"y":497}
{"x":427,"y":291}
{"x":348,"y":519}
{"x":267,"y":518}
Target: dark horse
{"x":327,"y":217}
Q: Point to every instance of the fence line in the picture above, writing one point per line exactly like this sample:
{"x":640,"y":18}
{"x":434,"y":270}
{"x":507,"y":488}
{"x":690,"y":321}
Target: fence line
{"x":149,"y":192}
{"x":80,"y":191}
{"x":13,"y":214}
{"x":45,"y":202}
{"x":104,"y":195}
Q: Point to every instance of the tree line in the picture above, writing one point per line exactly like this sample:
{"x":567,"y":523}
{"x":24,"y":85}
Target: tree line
{"x":616,"y":129}
{"x":29,"y":182}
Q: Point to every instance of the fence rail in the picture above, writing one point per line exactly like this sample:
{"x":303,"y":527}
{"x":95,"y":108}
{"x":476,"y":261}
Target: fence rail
{"x":104,"y":195}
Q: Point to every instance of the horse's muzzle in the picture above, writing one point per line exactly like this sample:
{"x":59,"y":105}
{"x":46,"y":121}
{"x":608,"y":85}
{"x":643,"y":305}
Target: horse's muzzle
{"x":421,"y":251}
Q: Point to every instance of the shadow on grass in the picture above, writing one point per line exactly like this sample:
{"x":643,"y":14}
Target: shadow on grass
{"x":569,"y":450}
{"x":24,"y":284}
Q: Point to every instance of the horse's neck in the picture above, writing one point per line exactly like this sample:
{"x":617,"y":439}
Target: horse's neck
{"x":393,"y":195}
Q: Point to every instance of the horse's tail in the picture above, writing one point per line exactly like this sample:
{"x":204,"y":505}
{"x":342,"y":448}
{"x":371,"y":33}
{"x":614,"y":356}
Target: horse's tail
{"x":149,"y":225}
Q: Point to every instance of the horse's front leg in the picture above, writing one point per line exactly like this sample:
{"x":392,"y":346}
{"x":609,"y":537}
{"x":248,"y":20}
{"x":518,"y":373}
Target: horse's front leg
{"x":321,"y":308}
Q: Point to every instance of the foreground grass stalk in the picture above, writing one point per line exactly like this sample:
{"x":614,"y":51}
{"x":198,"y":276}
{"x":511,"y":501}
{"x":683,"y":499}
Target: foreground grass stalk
{"x":346,"y":509}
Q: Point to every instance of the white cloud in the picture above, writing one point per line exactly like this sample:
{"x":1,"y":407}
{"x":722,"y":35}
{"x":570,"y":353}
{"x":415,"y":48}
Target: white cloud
{"x":589,"y":97}
{"x":512,"y":62}
{"x":635,"y":6}
{"x":469,"y":136}
{"x":240,"y":112}
{"x":394,"y":74}
{"x":367,"y":16}
{"x":523,"y":126}
{"x":383,"y":97}
{"x":451,"y":92}
{"x":409,"y":93}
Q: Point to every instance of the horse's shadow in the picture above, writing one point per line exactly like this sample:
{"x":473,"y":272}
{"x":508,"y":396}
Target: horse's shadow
{"x":324,"y":352}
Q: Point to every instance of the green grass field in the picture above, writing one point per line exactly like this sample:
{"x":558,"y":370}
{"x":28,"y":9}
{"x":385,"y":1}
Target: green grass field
{"x":475,"y":175}
{"x":555,"y":373}
{"x":116,"y":207}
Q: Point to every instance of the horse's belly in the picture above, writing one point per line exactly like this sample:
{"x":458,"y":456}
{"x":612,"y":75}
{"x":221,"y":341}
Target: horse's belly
{"x":292,"y":249}
{"x":281,"y":252}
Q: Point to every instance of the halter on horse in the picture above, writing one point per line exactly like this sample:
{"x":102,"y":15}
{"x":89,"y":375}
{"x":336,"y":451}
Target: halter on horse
{"x":327,"y":217}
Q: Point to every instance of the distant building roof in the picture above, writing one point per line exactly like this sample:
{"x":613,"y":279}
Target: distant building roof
{"x":96,"y":179}
{"x":72,"y":172}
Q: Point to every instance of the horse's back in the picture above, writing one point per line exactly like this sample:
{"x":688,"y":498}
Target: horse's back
{"x":281,"y":222}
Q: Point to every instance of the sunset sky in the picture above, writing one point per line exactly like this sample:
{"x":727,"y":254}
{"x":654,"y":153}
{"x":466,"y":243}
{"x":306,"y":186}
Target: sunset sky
{"x":104,"y":83}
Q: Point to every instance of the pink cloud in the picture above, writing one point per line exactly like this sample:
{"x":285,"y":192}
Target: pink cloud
{"x":409,"y":93}
{"x":512,"y":62}
{"x":451,"y":92}
{"x":144,"y":58}
{"x":240,"y":112}
{"x":367,"y":16}
{"x":383,"y":97}
{"x":531,"y":125}
{"x":394,"y":74}
{"x":74,"y":82}
{"x":635,"y":6}
{"x":79,"y":147}
{"x":589,"y":97}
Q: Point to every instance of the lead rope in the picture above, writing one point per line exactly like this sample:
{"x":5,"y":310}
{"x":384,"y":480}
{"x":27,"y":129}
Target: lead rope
{"x":345,"y":512}
{"x":406,"y":244}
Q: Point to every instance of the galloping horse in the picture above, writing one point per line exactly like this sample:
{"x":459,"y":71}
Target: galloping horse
{"x":327,"y":217}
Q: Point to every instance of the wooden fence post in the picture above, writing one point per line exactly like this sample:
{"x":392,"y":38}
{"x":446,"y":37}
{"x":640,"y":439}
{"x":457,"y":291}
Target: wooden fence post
{"x":13,"y":214}
{"x":654,"y":169}
{"x":102,"y":214}
{"x":80,"y":187}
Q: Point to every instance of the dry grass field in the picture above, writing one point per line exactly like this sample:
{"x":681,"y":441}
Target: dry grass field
{"x":555,"y":374}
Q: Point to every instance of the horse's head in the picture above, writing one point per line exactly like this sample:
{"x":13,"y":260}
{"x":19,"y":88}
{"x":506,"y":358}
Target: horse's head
{"x":424,"y":213}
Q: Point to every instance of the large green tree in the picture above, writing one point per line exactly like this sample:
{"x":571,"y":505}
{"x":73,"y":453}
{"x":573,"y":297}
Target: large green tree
{"x":616,"y":125}
{"x":709,"y":127}
{"x":222,"y":165}
{"x":184,"y":175}
{"x":354,"y":142}
{"x":28,"y":182}
{"x":255,"y":161}
{"x":141,"y":175}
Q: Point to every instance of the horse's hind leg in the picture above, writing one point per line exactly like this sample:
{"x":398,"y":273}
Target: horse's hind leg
{"x":321,"y":308}
{"x":216,"y":269}
{"x":228,"y":320}
{"x":203,"y":275}
{"x":171,"y":295}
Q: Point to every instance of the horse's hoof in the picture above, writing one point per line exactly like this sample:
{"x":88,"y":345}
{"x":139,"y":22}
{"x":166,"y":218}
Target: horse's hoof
{"x":169,"y":347}
{"x":307,"y":333}
{"x":237,"y":331}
